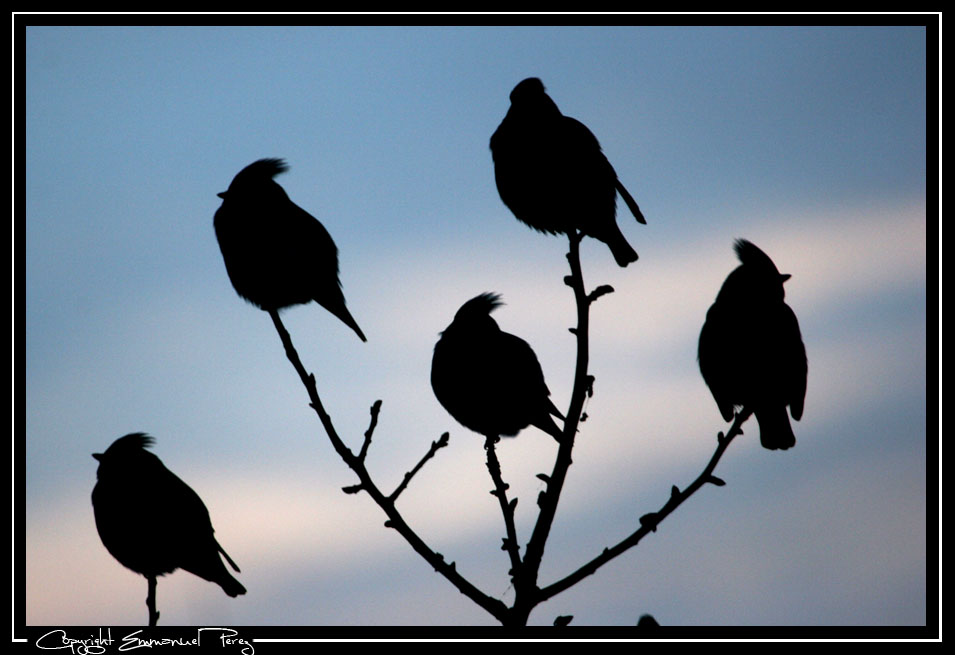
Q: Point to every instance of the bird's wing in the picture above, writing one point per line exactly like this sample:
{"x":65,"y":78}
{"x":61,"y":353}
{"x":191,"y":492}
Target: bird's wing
{"x":715,"y":362}
{"x":187,"y":510}
{"x":797,"y":364}
{"x":315,"y":234}
{"x":577,"y":136}
{"x":631,"y":203}
{"x":523,"y":376}
{"x":583,"y":144}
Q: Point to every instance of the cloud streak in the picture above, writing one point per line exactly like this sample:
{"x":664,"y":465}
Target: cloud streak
{"x":639,"y":423}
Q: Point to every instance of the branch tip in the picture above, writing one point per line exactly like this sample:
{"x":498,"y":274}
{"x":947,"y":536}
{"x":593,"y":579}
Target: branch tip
{"x":375,"y":408}
{"x":602,"y":290}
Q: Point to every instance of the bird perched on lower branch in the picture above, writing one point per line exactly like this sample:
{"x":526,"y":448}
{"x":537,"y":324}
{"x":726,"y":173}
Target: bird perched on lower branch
{"x":751,"y":352}
{"x":552,"y":174}
{"x":275,"y":252}
{"x":488,"y":380}
{"x":151,"y":521}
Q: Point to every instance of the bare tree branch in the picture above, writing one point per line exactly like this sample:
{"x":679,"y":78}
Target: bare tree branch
{"x":495,"y":607}
{"x":375,"y":408}
{"x":435,"y":445}
{"x":524,"y":572}
{"x":527,"y":593}
{"x":649,"y":522}
{"x":507,"y":508}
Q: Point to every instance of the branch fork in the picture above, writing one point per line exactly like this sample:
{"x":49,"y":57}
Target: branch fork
{"x":523,"y":570}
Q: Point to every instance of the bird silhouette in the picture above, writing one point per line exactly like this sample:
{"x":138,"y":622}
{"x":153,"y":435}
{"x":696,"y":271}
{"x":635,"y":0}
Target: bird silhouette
{"x":151,"y":521}
{"x":488,"y":380}
{"x":751,"y":352}
{"x":275,"y":252}
{"x":552,"y":174}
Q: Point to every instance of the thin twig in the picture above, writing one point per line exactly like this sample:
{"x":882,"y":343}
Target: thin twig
{"x":649,"y":522}
{"x":507,"y":508}
{"x":375,"y":408}
{"x":492,"y":605}
{"x":435,"y":445}
{"x":151,"y":600}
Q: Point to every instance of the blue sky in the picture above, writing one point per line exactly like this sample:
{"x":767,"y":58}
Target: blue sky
{"x":809,"y":141}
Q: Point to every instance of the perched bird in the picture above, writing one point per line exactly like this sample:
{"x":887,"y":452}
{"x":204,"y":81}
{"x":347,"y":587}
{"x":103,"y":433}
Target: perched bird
{"x":151,"y":521}
{"x":552,"y":174}
{"x":488,"y":380}
{"x":276,"y":253}
{"x":751,"y":352}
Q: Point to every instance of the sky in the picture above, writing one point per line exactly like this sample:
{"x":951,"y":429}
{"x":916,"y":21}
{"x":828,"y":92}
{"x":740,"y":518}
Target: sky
{"x":808,"y":141}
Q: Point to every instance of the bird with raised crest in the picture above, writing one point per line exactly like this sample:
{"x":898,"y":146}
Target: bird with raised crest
{"x":275,"y":252}
{"x":489,"y":380}
{"x":751,"y":352}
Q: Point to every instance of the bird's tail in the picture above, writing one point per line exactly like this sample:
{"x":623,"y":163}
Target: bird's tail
{"x":350,"y":322}
{"x":552,"y":409}
{"x":621,"y":250}
{"x":230,"y":585}
{"x":775,"y":431}
{"x":631,"y":203}
{"x":227,"y":558}
{"x":546,"y":423}
{"x":213,"y":570}
{"x":341,"y":311}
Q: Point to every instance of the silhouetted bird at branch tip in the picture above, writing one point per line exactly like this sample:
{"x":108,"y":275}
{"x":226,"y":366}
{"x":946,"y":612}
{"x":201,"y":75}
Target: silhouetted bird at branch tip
{"x":151,"y":521}
{"x":276,"y":253}
{"x":751,"y":352}
{"x":552,"y":174}
{"x":488,"y":380}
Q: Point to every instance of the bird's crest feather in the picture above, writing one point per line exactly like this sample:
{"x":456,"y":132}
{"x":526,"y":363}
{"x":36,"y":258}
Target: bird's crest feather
{"x":748,"y":253}
{"x":265,"y":167}
{"x":483,"y":304}
{"x":132,"y":441}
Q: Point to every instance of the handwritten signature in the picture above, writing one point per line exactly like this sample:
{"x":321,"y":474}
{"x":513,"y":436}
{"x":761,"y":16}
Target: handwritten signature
{"x":58,"y":640}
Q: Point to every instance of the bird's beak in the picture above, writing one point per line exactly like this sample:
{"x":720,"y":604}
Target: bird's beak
{"x":98,"y":456}
{"x":784,"y":276}
{"x":222,"y":195}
